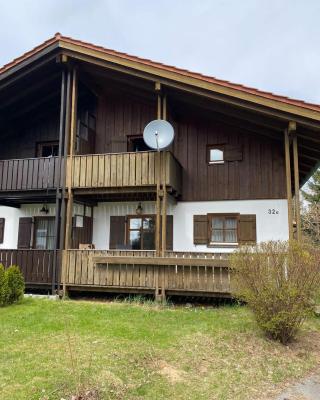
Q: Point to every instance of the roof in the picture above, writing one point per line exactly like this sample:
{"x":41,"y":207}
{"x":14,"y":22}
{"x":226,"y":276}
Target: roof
{"x":60,"y":39}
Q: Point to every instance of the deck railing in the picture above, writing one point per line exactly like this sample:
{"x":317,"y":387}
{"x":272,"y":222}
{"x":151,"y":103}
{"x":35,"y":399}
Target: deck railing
{"x":35,"y":265}
{"x":177,"y":272}
{"x":29,"y":174}
{"x":123,"y":170}
{"x":90,"y":172}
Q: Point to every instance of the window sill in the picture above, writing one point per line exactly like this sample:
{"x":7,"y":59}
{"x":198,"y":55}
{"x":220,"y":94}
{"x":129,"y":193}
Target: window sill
{"x":224,"y":245}
{"x":215,"y":162}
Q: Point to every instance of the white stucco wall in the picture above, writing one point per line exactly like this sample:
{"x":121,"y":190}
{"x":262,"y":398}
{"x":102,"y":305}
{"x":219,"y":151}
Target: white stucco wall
{"x":269,"y":226}
{"x":12,"y":216}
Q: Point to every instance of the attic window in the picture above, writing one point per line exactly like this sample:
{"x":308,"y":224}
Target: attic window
{"x":215,"y":154}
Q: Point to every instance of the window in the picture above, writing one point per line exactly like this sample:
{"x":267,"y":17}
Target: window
{"x":44,"y":233}
{"x":141,"y":233}
{"x":48,"y":149}
{"x":136,"y":143}
{"x":215,"y":154}
{"x":223,"y":229}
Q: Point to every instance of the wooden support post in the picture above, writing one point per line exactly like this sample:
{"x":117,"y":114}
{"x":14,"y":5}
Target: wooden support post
{"x":164,"y":115}
{"x":164,"y":207}
{"x":64,"y":162}
{"x":288,"y":181}
{"x":70,"y":160}
{"x":55,"y":275}
{"x":73,"y":126}
{"x":292,"y":129}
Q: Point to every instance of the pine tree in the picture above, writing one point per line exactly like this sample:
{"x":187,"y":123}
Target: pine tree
{"x":312,"y":195}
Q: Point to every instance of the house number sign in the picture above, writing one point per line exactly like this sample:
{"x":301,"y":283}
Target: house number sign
{"x":273,"y":211}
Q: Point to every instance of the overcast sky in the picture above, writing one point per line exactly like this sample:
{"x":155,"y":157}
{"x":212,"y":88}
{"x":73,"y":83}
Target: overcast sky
{"x":269,"y":44}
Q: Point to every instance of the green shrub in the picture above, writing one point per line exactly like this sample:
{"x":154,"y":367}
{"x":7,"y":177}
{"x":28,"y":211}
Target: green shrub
{"x":4,"y":287}
{"x":278,"y":281}
{"x":15,"y":284}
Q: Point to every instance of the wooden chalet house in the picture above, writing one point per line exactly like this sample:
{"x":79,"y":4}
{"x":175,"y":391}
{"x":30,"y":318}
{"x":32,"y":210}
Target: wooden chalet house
{"x":86,"y":205}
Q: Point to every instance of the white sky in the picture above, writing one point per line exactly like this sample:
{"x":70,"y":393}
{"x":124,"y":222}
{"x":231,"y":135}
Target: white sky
{"x":272,"y":45}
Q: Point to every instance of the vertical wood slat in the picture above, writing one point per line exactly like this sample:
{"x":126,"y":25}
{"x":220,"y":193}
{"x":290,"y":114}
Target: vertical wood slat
{"x":210,"y":279}
{"x":29,"y":173}
{"x":35,"y":265}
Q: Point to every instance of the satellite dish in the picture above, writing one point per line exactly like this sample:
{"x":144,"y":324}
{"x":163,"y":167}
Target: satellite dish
{"x":158,"y":134}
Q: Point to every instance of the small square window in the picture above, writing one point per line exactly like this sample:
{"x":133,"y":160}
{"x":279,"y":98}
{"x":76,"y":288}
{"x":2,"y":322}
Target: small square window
{"x":215,"y":155}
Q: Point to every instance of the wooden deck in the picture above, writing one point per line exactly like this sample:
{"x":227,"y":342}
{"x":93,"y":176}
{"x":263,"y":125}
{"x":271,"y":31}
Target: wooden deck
{"x":177,"y":273}
{"x":198,"y":274}
{"x":36,"y":265}
{"x":94,"y":172}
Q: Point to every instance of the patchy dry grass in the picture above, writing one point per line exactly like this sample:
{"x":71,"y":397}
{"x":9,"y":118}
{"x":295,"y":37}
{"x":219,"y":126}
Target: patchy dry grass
{"x":51,"y":350}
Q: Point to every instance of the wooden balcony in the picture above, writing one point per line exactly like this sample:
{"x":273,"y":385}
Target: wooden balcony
{"x":178,"y":273}
{"x":124,"y":170}
{"x":96,"y":172}
{"x":29,"y":174}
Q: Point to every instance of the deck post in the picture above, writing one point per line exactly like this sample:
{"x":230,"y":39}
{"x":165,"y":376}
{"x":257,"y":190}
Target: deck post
{"x":64,"y":162}
{"x":158,"y":291}
{"x":292,"y":128}
{"x":72,"y":136}
{"x":55,"y":275}
{"x":288,"y":181}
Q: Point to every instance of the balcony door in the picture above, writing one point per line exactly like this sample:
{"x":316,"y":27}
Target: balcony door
{"x":141,"y":232}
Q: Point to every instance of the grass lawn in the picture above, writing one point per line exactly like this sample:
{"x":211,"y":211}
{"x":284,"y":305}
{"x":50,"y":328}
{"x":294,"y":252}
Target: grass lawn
{"x":130,"y":351}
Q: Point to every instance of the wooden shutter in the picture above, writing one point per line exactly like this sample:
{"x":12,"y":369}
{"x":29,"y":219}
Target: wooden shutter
{"x":200,"y":229}
{"x":117,"y":239}
{"x":82,"y":235}
{"x":169,"y":232}
{"x":2,"y":222}
{"x":24,"y":235}
{"x":247,"y":229}
{"x":233,"y":152}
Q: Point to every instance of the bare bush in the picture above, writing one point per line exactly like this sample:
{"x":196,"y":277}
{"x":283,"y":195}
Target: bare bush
{"x":310,"y":220}
{"x":278,"y":281}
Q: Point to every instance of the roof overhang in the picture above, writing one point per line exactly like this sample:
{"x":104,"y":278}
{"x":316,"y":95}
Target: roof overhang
{"x":238,"y":95}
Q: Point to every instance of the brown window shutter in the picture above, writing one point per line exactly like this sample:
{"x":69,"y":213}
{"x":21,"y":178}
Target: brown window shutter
{"x":247,"y":229}
{"x":233,"y":152}
{"x":2,"y":222}
{"x":24,"y":235}
{"x":117,"y":239}
{"x":200,"y":229}
{"x":169,"y":232}
{"x":82,"y":235}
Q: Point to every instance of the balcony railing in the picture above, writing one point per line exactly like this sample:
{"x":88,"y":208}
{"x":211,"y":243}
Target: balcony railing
{"x":122,"y":170}
{"x":29,"y":174}
{"x":187,"y":273}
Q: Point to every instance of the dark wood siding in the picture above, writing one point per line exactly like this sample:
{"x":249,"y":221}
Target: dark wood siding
{"x":256,"y":167}
{"x":119,"y":117}
{"x":22,"y":141}
{"x":259,"y":175}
